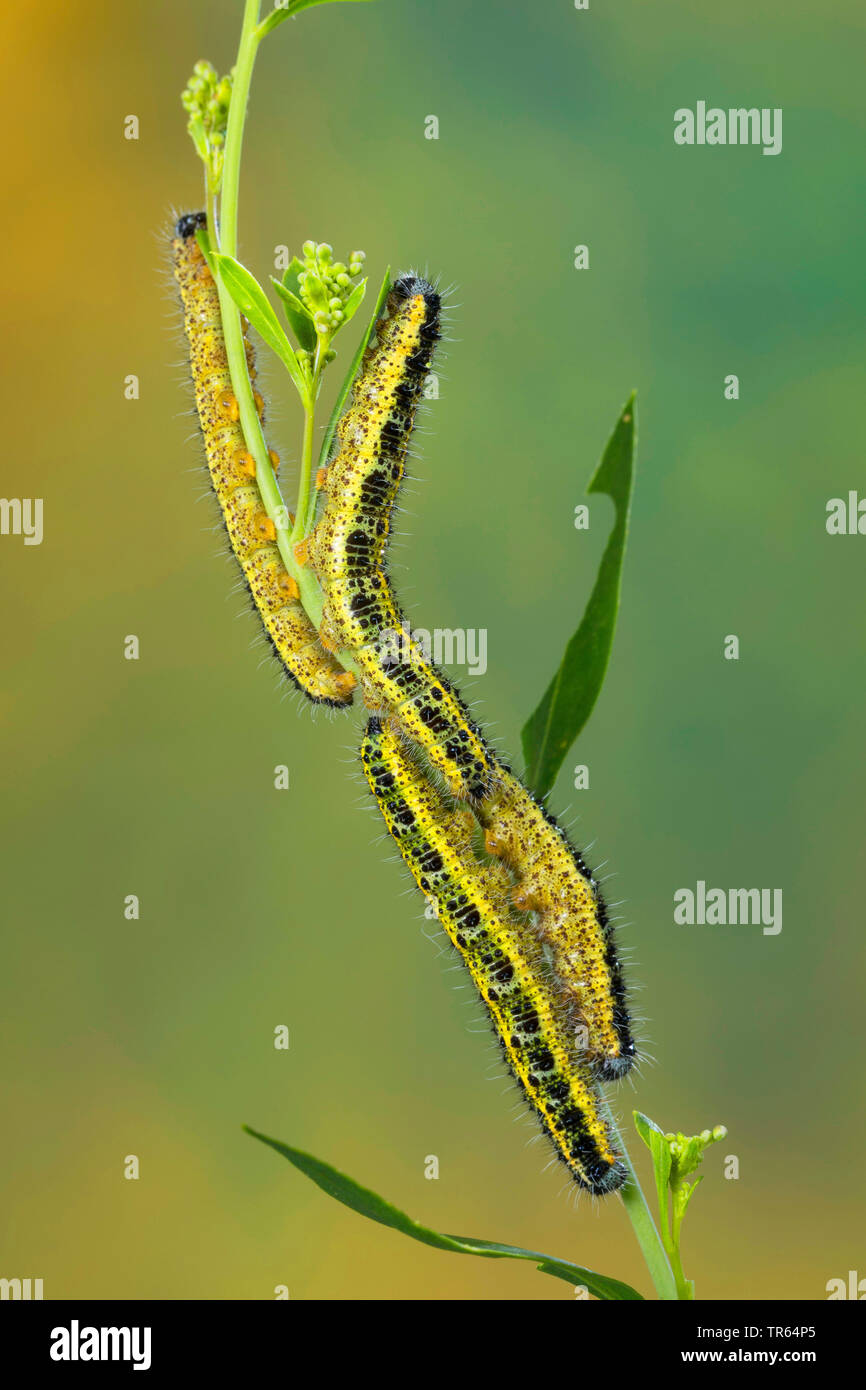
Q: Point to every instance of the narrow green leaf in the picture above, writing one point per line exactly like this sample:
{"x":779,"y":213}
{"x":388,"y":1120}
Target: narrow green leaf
{"x":203,"y":239}
{"x":348,"y":381}
{"x":353,"y":303}
{"x":375,"y":1208}
{"x":645,"y":1126}
{"x":685,"y":1193}
{"x":300,"y":318}
{"x":659,"y":1147}
{"x":292,"y":277}
{"x":252,"y":301}
{"x":295,"y":7}
{"x":569,"y":699}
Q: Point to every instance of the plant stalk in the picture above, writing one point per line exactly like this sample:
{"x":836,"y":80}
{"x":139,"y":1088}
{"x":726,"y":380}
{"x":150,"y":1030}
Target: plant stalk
{"x":640,"y":1216}
{"x":227,"y":242}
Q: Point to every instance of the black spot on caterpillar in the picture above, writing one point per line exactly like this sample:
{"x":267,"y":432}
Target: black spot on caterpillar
{"x":472,"y":905}
{"x":232,"y":469}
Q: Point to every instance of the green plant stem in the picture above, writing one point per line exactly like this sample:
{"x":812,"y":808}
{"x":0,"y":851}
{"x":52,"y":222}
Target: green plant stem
{"x":227,"y":240}
{"x":685,"y":1287}
{"x":644,"y":1227}
{"x":301,"y":515}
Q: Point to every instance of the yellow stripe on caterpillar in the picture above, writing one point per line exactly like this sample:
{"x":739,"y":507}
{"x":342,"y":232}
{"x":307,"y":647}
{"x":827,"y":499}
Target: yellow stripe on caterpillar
{"x":506,"y":966}
{"x":232,"y":469}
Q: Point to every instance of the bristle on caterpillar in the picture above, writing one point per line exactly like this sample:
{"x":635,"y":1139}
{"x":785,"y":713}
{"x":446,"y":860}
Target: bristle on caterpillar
{"x":471,"y":904}
{"x":233,"y":474}
{"x":347,"y":549}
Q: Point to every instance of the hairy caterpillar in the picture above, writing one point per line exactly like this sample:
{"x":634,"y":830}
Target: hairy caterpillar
{"x":571,"y":918}
{"x":232,"y":469}
{"x":472,"y":906}
{"x":347,"y":552}
{"x":347,"y":548}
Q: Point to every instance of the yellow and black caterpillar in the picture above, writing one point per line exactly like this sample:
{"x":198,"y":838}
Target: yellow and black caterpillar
{"x":347,"y":548}
{"x":232,"y":469}
{"x":552,"y":981}
{"x":569,"y":915}
{"x":347,"y":553}
{"x":471,"y":902}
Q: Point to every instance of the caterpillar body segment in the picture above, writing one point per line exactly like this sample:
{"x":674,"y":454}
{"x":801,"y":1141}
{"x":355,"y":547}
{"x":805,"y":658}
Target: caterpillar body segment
{"x":506,"y":966}
{"x":232,"y":469}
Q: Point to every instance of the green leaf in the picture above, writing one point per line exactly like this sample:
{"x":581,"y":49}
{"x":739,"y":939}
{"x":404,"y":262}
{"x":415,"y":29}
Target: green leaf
{"x":569,"y":699}
{"x":348,"y":381}
{"x":375,"y":1208}
{"x":203,"y":239}
{"x":300,"y":318}
{"x":252,"y":301}
{"x":646,"y":1127}
{"x":683,"y":1195}
{"x":656,"y":1142}
{"x":295,"y":7}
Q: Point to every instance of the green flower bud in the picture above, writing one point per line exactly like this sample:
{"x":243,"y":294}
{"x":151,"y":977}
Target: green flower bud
{"x":309,"y":248}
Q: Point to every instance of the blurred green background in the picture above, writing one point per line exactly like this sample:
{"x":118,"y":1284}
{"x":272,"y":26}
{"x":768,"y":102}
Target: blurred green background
{"x":155,"y":777}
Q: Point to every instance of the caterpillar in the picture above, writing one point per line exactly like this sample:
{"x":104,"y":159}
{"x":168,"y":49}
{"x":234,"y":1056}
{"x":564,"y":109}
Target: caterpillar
{"x":347,"y":553}
{"x":232,"y":468}
{"x":507,"y":969}
{"x":347,"y":548}
{"x":570,"y":915}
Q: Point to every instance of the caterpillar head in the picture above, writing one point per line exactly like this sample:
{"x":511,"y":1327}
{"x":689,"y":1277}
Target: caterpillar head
{"x":408,"y":285}
{"x":189,"y":223}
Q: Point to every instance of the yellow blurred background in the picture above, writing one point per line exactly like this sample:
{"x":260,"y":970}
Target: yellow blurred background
{"x":258,"y":907}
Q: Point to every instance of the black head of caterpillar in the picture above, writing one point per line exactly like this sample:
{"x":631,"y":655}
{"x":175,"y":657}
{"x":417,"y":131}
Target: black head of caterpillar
{"x":252,"y":533}
{"x":189,"y":223}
